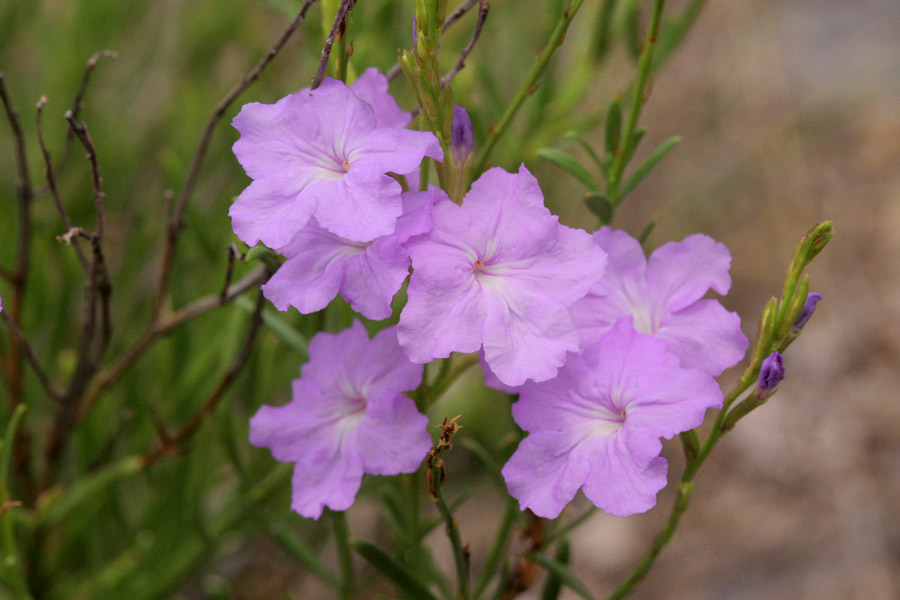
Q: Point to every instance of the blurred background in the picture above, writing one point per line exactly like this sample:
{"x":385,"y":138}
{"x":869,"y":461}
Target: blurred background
{"x":789,"y":113}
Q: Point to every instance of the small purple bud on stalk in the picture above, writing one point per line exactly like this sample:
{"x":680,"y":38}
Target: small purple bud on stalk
{"x":415,"y":32}
{"x":770,"y":373}
{"x":808,"y":309}
{"x":461,"y":135}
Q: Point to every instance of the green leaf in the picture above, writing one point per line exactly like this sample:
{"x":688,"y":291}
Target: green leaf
{"x":632,"y":29}
{"x":562,"y":572}
{"x":648,"y":229}
{"x":614,"y":126}
{"x":392,"y":569}
{"x":283,"y":532}
{"x":601,"y":207}
{"x":648,"y":165}
{"x":574,"y":135}
{"x":8,"y":439}
{"x":89,"y":487}
{"x":554,"y":584}
{"x":565,"y":162}
{"x":492,"y":466}
{"x":279,"y":327}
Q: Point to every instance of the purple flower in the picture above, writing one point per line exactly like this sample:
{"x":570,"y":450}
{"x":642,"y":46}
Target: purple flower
{"x":321,"y":264}
{"x":809,"y":307}
{"x":461,"y":135}
{"x":372,"y":87}
{"x":498,"y":272}
{"x":319,"y":154}
{"x":771,"y":372}
{"x":348,"y":416}
{"x":597,"y":425}
{"x":664,"y":297}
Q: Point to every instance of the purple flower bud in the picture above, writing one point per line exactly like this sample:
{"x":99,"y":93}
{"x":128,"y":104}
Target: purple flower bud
{"x":461,"y":134}
{"x":415,"y":32}
{"x":808,"y":309}
{"x":771,"y":372}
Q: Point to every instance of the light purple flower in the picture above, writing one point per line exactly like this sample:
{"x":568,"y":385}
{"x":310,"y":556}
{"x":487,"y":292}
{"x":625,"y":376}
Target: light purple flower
{"x":597,"y":425}
{"x":664,"y":297}
{"x":498,"y":272}
{"x":348,"y":416}
{"x":319,"y":154}
{"x":367,"y":274}
{"x":372,"y":87}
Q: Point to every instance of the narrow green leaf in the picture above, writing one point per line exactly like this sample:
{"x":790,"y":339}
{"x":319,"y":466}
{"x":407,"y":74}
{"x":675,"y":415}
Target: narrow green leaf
{"x":279,"y":326}
{"x":648,"y":229}
{"x":648,"y":165}
{"x":633,"y":146}
{"x":565,"y":162}
{"x":614,"y":126}
{"x":88,"y":487}
{"x":492,"y":466}
{"x":554,"y":584}
{"x":561,"y":571}
{"x":283,"y":532}
{"x":8,"y":439}
{"x":574,"y":135}
{"x":392,"y":569}
{"x":632,"y":29}
{"x":600,"y":206}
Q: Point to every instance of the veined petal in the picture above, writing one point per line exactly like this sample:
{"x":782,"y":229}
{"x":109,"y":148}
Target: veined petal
{"x":526,"y":335}
{"x":392,"y":416}
{"x":394,"y":150}
{"x":372,"y":87}
{"x":384,"y":366}
{"x":546,"y":471}
{"x":362,"y":206}
{"x":682,"y":272}
{"x":270,"y":210}
{"x":626,"y":472}
{"x":314,"y":271}
{"x":327,"y":476}
{"x":705,"y":336}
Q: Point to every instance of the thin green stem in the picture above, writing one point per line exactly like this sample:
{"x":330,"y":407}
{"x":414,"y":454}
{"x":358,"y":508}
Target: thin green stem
{"x":345,"y":556}
{"x":495,"y":556}
{"x":685,"y":489}
{"x":447,"y":377}
{"x":530,"y":84}
{"x":460,"y":556}
{"x":645,"y":63}
{"x":342,"y":58}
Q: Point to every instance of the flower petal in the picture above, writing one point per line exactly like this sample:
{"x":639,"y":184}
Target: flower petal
{"x":362,"y":206}
{"x":682,"y":272}
{"x":327,"y":476}
{"x":372,"y":87}
{"x":705,"y":336}
{"x":270,"y":210}
{"x":626,"y":472}
{"x":393,"y":437}
{"x":545,"y":472}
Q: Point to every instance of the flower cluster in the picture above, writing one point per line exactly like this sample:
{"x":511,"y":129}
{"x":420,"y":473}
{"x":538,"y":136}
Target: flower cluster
{"x":608,"y":351}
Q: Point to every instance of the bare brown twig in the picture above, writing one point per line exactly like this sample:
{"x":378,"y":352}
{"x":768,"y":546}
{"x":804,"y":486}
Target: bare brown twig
{"x":18,"y":278}
{"x":84,"y":137}
{"x":108,"y":376}
{"x":343,"y":12}
{"x":176,"y":219}
{"x":483,"y":9}
{"x":170,"y":444}
{"x":51,"y":181}
{"x":77,"y":103}
{"x":32,"y":357}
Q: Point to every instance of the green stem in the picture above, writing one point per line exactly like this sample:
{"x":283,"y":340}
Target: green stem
{"x":342,"y":58}
{"x":623,"y":153}
{"x":345,"y":556}
{"x":460,"y":557}
{"x":448,"y":376}
{"x":496,"y":553}
{"x":685,"y":489}
{"x":530,"y":84}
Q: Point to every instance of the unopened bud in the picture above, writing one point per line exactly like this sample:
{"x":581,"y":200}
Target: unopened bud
{"x":809,"y":307}
{"x":771,"y":372}
{"x":461,"y":135}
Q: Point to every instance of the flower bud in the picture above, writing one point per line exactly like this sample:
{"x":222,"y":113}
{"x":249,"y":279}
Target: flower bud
{"x":809,"y":307}
{"x":771,"y":372}
{"x":461,"y":135}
